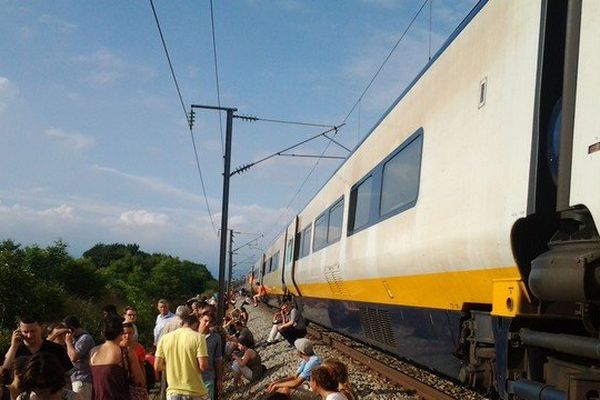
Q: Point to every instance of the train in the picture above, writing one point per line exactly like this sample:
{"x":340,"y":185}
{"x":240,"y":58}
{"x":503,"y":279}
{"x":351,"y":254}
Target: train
{"x":462,"y":232}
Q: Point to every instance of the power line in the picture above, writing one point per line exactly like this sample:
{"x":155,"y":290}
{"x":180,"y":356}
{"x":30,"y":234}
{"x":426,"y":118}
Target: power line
{"x":386,"y":59}
{"x":189,"y":118}
{"x":358,"y":101}
{"x":214,"y":40}
{"x":281,"y":121}
{"x":274,"y":226}
{"x":245,"y":167}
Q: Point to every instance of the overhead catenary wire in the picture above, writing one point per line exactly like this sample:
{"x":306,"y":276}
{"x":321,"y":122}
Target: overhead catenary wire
{"x":281,"y":121}
{"x":357,"y":103}
{"x":187,"y":117}
{"x":287,"y":207}
{"x":324,"y":133}
{"x":412,"y":21}
{"x":216,"y":63}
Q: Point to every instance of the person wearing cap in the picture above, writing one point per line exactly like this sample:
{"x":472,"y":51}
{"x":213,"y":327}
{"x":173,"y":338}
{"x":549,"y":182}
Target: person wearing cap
{"x":309,"y":361}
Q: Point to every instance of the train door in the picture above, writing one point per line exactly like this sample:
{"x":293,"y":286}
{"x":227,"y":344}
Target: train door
{"x":295,"y":248}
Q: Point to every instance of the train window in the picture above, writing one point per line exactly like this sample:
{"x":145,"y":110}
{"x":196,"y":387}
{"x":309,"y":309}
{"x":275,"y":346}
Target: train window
{"x":305,"y":244}
{"x":275,"y":262}
{"x":400,"y":178}
{"x":336,"y":216}
{"x":270,"y":262}
{"x":361,"y":197}
{"x":320,"y":236}
{"x":289,"y":252}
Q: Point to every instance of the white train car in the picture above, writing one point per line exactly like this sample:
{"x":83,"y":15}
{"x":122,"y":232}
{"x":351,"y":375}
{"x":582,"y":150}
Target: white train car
{"x":462,"y":232}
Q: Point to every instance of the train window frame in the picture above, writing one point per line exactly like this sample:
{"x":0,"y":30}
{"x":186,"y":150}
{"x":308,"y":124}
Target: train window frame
{"x":327,"y":218}
{"x":321,"y":221}
{"x":307,"y":231}
{"x":354,"y":202}
{"x":339,"y":203}
{"x":377,"y":174}
{"x":275,"y":261}
{"x":398,"y":152}
{"x":289,"y":252}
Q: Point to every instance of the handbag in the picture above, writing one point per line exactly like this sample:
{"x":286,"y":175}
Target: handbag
{"x":135,"y":392}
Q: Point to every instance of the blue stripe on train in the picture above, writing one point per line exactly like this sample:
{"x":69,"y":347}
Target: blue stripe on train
{"x":425,"y":336}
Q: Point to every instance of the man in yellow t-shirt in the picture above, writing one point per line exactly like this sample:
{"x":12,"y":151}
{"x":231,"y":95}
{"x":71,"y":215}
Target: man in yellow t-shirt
{"x":184,"y":355}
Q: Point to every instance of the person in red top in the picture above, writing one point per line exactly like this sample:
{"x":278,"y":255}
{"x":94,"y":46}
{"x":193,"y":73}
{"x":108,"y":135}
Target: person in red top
{"x":130,"y":341}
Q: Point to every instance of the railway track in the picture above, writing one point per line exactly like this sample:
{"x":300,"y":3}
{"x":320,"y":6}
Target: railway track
{"x":423,"y":389}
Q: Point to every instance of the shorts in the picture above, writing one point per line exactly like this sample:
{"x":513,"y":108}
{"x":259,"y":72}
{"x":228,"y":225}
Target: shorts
{"x":186,"y":397}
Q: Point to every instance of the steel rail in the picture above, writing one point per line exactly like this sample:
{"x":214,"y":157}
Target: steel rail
{"x":421,"y":389}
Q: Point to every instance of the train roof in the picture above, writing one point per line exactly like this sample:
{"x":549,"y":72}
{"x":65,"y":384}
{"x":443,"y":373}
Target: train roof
{"x":474,"y":11}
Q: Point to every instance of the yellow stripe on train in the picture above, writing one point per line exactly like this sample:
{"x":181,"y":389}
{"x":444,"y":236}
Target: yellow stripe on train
{"x":500,"y":287}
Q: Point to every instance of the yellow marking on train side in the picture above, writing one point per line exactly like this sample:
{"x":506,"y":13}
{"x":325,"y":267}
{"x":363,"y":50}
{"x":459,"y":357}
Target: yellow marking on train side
{"x":448,"y":291}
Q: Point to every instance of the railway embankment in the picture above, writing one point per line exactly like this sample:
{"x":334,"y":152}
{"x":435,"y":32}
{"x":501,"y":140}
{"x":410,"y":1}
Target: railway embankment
{"x":282,"y":360}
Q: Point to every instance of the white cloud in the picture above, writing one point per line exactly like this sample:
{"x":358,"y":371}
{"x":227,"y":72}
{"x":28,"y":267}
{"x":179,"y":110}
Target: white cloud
{"x":63,"y":211}
{"x":142,"y":218}
{"x":152,"y":183}
{"x":60,"y":24}
{"x":18,"y":211}
{"x":73,"y":140}
{"x":8,"y":92}
{"x":83,"y":222}
{"x":103,"y":67}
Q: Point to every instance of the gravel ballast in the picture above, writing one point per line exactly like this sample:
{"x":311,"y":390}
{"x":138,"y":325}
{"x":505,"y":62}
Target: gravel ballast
{"x":281,"y":361}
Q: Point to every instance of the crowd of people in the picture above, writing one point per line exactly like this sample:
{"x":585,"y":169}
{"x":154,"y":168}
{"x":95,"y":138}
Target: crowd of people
{"x":187,"y":356}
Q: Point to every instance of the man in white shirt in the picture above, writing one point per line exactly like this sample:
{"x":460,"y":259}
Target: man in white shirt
{"x":164,"y":316}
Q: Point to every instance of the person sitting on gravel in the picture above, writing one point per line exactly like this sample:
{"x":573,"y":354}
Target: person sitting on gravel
{"x":324,"y":383}
{"x":243,"y":315}
{"x":340,"y":371}
{"x":241,"y":331}
{"x":295,"y":327}
{"x":247,"y":362}
{"x":279,"y":317}
{"x":309,"y":361}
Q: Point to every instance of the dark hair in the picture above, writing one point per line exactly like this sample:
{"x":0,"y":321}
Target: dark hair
{"x":31,"y":319}
{"x":113,"y":327}
{"x":338,"y":368}
{"x":189,"y":320}
{"x":43,"y":367}
{"x":18,"y":365}
{"x":245,"y":341}
{"x":211,"y":316}
{"x":110,"y":309}
{"x":127,"y":325}
{"x":325,"y":378}
{"x":72,"y":322}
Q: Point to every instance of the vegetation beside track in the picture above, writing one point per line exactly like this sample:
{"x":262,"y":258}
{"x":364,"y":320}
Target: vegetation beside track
{"x":55,"y":284}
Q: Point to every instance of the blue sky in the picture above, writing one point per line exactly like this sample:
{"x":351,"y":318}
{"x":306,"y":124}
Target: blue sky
{"x":94,"y":145}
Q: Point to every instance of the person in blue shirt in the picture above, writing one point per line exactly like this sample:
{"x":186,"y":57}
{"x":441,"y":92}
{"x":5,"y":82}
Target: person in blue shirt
{"x":309,"y":361}
{"x":164,"y":317}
